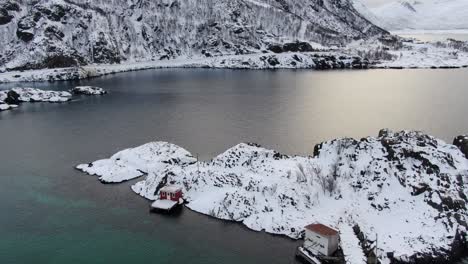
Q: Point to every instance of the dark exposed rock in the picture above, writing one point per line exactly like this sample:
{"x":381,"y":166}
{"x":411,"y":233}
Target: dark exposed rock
{"x":384,"y":132}
{"x":60,"y":61}
{"x":291,"y":47}
{"x":26,"y":22}
{"x":238,"y":30}
{"x":298,"y":47}
{"x":25,"y":29}
{"x":359,"y":63}
{"x":12,"y":98}
{"x":458,"y":251}
{"x":54,"y":13}
{"x":275,"y":48}
{"x":5,"y":17}
{"x":25,"y":35}
{"x":317,"y":149}
{"x":11,"y":6}
{"x":89,"y":90}
{"x":283,"y":4}
{"x":462,"y":143}
{"x":53,"y":31}
{"x":273,"y":61}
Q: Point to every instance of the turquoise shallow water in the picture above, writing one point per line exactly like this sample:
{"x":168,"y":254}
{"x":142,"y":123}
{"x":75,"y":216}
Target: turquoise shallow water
{"x":44,"y":226}
{"x":51,"y":213}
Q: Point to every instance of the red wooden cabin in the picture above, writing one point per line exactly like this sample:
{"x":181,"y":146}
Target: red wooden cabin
{"x":170,"y":192}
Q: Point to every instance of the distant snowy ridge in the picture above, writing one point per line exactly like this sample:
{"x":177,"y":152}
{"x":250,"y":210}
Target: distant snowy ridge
{"x":356,"y":55}
{"x":64,"y":33}
{"x":407,"y":187}
{"x":418,"y":15}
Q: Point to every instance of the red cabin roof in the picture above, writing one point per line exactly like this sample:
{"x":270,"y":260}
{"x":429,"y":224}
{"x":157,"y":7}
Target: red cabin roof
{"x":322,"y":229}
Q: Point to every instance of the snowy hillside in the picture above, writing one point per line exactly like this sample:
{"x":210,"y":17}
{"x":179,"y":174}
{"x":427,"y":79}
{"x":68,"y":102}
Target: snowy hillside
{"x":420,"y":15}
{"x":407,"y":187}
{"x":63,"y":33}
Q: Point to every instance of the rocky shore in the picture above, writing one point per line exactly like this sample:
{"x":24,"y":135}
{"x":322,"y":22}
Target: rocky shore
{"x":10,"y":99}
{"x":407,"y":187}
{"x":359,"y":55}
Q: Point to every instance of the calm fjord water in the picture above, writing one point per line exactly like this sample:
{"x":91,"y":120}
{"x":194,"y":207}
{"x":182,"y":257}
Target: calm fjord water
{"x":50,"y":213}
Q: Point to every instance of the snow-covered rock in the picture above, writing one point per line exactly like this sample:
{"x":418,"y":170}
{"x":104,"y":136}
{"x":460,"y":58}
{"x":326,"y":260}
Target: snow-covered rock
{"x":4,"y":107}
{"x":88,"y":90}
{"x":406,"y":187}
{"x":384,"y":52}
{"x":352,"y":251}
{"x":18,"y":95}
{"x":284,"y":60}
{"x":132,"y":163}
{"x":412,"y":54}
{"x":37,"y":95}
{"x":462,"y":143}
{"x":65,"y":33}
{"x":11,"y":98}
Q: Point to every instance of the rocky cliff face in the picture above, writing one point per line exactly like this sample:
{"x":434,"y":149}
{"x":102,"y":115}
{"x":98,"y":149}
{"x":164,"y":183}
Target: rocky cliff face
{"x":61,"y":33}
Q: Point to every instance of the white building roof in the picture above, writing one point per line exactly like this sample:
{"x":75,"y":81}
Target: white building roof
{"x":171,"y":188}
{"x":163,"y":204}
{"x":322,"y":229}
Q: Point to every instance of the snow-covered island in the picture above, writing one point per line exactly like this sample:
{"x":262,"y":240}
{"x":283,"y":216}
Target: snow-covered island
{"x":68,"y":39}
{"x":88,"y":90}
{"x":408,"y":188}
{"x":10,"y":99}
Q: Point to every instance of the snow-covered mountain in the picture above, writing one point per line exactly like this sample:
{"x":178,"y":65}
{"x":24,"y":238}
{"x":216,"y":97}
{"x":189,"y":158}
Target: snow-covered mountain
{"x":407,"y":187}
{"x":419,"y":14}
{"x":61,"y":33}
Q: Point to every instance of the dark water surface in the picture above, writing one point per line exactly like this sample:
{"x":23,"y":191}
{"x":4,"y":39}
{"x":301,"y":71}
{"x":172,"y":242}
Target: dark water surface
{"x":50,"y":213}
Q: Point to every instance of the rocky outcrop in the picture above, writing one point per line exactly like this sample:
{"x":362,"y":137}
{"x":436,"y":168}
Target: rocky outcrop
{"x":6,"y":10}
{"x":291,"y":47}
{"x":5,"y":17}
{"x":10,"y":99}
{"x":88,"y":90}
{"x":462,"y":143}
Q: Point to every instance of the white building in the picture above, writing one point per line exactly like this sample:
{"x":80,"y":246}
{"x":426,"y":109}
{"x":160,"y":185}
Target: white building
{"x":321,"y":239}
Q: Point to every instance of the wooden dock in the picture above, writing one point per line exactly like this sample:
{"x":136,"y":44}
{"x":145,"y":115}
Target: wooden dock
{"x":164,"y":205}
{"x":307,"y":256}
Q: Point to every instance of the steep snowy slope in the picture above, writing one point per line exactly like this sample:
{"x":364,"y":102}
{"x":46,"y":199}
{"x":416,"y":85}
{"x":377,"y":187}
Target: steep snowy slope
{"x":422,"y":15}
{"x":61,"y":33}
{"x":407,"y":187}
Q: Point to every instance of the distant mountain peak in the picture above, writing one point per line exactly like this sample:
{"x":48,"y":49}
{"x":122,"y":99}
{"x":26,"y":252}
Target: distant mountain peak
{"x":419,"y":15}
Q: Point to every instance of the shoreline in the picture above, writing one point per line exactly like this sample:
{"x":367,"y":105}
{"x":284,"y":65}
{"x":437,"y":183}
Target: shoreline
{"x":247,"y":184}
{"x":257,"y":61}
